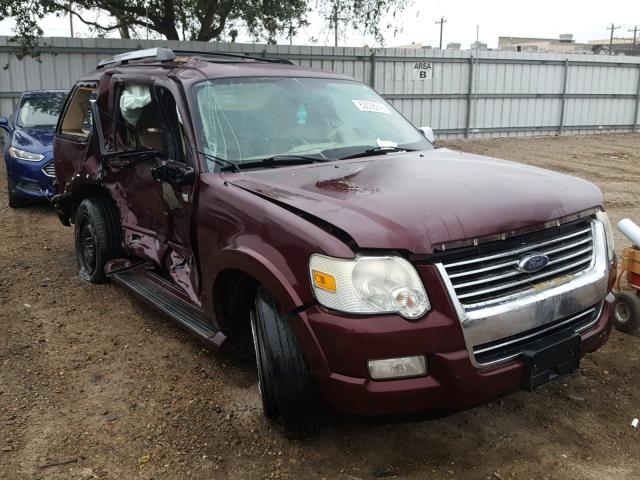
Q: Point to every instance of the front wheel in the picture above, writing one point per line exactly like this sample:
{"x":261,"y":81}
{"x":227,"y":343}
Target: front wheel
{"x":97,"y":235}
{"x":285,"y":383}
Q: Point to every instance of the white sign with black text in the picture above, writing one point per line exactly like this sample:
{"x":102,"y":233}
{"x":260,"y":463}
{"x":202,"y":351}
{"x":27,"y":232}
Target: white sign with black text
{"x":423,"y":70}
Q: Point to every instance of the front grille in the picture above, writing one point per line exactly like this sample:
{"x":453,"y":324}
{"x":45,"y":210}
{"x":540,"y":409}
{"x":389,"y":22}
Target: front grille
{"x":49,"y":169}
{"x":511,"y":347}
{"x":488,"y":273}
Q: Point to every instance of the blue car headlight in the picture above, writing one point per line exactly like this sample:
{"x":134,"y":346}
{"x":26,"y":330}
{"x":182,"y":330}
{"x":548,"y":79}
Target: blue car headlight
{"x":24,"y":155}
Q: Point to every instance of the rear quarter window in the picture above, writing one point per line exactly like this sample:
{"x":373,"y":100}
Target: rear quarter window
{"x":76,"y":122}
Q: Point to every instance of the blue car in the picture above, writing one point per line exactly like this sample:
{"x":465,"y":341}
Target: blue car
{"x":28,"y":150}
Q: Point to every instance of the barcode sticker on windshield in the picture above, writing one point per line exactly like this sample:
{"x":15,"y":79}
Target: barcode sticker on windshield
{"x":367,"y":106}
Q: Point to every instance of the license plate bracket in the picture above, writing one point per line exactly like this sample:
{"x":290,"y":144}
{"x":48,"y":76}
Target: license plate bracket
{"x":551,"y":359}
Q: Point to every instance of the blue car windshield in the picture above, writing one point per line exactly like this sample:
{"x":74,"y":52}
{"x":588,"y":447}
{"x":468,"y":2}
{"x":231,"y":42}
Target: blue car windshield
{"x":251,"y":118}
{"x":40,"y":111}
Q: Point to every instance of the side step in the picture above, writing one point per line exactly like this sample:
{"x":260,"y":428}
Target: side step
{"x":157,"y":292}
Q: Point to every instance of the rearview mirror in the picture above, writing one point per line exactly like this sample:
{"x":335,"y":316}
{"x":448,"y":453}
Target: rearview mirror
{"x":428,"y":134}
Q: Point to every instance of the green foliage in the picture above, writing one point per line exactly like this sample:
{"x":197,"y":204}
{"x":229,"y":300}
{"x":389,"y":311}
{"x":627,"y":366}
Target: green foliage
{"x":201,"y":20}
{"x":365,"y":16}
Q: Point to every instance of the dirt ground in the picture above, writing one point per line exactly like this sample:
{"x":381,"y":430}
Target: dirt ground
{"x":95,"y":385}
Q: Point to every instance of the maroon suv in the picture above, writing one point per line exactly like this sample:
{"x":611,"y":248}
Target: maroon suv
{"x":296,"y":216}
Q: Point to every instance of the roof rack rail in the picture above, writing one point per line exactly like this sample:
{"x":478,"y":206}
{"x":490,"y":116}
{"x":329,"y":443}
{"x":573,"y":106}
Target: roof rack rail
{"x":160,"y":54}
{"x":233,"y":55}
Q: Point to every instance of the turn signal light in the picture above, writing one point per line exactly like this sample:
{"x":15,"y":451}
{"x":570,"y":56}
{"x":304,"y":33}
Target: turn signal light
{"x":324,"y":281}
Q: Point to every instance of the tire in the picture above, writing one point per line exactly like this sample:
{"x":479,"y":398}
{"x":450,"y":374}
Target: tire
{"x":239,"y":294}
{"x":97,"y":237}
{"x":15,"y":201}
{"x":285,"y":383}
{"x":626,"y":312}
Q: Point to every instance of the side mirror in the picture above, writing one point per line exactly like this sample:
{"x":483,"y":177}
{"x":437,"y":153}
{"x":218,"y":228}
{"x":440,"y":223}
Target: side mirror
{"x":428,"y":134}
{"x":4,"y":123}
{"x":174,"y":173}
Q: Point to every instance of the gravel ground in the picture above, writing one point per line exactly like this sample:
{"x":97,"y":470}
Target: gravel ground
{"x":95,"y":385}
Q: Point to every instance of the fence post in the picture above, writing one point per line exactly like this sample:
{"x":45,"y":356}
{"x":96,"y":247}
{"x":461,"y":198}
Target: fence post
{"x":564,"y":95}
{"x":635,"y":111}
{"x":372,"y":75}
{"x":469,"y":98}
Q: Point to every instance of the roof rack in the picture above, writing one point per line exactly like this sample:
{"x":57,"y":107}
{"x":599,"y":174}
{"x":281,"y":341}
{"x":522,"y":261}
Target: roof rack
{"x":242,"y":56}
{"x":161,"y":54}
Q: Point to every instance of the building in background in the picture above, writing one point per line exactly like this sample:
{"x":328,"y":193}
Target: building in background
{"x":563,"y":44}
{"x":414,"y":45}
{"x":478,"y":46}
{"x":616,"y":41}
{"x":620,"y":46}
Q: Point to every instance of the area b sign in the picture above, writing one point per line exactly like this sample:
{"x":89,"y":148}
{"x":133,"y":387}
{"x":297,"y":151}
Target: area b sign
{"x":423,"y":70}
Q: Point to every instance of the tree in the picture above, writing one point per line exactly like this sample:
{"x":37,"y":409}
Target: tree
{"x":202,"y":20}
{"x":371,"y":17}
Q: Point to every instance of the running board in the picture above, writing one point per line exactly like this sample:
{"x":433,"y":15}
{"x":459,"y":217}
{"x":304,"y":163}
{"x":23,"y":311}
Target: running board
{"x":157,"y":292}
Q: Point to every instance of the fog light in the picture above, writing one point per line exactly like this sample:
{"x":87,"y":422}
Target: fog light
{"x":401,"y":367}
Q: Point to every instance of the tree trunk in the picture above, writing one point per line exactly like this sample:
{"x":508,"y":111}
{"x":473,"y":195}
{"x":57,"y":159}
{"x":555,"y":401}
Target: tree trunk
{"x":124,"y":31}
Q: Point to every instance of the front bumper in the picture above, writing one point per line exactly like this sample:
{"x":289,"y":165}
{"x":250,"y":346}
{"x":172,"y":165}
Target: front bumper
{"x":29,"y":179}
{"x":454,"y":341}
{"x":453,"y":382}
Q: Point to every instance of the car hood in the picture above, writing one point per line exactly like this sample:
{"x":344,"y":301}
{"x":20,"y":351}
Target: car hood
{"x":34,"y":139}
{"x":417,"y":200}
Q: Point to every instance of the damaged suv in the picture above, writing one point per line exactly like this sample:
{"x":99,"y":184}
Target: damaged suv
{"x":296,"y":217}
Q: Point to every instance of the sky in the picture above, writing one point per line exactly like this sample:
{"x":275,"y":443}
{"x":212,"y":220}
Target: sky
{"x":586,"y":20}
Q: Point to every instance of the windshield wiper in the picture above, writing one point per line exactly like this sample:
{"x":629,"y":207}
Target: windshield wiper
{"x":264,"y":162}
{"x":369,"y":152}
{"x":223,"y":162}
{"x":283,"y":159}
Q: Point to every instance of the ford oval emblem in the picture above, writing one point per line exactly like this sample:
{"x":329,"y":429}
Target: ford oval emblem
{"x":532,"y":262}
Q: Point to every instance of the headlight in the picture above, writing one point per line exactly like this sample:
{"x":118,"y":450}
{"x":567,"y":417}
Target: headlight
{"x":608,"y":231}
{"x":24,"y":155}
{"x":368,"y":284}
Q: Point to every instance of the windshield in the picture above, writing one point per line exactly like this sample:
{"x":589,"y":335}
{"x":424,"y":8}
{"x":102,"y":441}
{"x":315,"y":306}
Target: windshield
{"x":40,"y":111}
{"x":247,"y":119}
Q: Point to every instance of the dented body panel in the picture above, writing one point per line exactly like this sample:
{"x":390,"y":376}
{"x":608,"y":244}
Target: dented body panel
{"x":417,"y":201}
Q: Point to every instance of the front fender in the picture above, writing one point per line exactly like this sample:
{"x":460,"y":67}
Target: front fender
{"x":240,"y":230}
{"x":277,"y":278}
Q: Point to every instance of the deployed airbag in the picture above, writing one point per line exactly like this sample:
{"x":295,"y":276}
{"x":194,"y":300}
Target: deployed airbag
{"x":132,"y":101}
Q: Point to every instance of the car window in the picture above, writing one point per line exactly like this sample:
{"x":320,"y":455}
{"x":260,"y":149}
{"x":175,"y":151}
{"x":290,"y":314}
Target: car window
{"x":147,"y":118}
{"x":244,"y":119}
{"x":77,"y":117}
{"x":40,"y":111}
{"x":174,"y":125}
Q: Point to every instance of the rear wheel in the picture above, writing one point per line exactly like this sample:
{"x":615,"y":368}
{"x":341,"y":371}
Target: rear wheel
{"x":285,"y":383}
{"x":97,"y":237}
{"x":626,"y":312}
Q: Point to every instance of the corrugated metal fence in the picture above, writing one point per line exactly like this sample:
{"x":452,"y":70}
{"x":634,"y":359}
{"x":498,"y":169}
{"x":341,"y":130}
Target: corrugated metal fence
{"x":458,"y":93}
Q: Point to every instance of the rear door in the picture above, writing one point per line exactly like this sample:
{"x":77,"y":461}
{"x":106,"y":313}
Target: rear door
{"x":74,"y":151}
